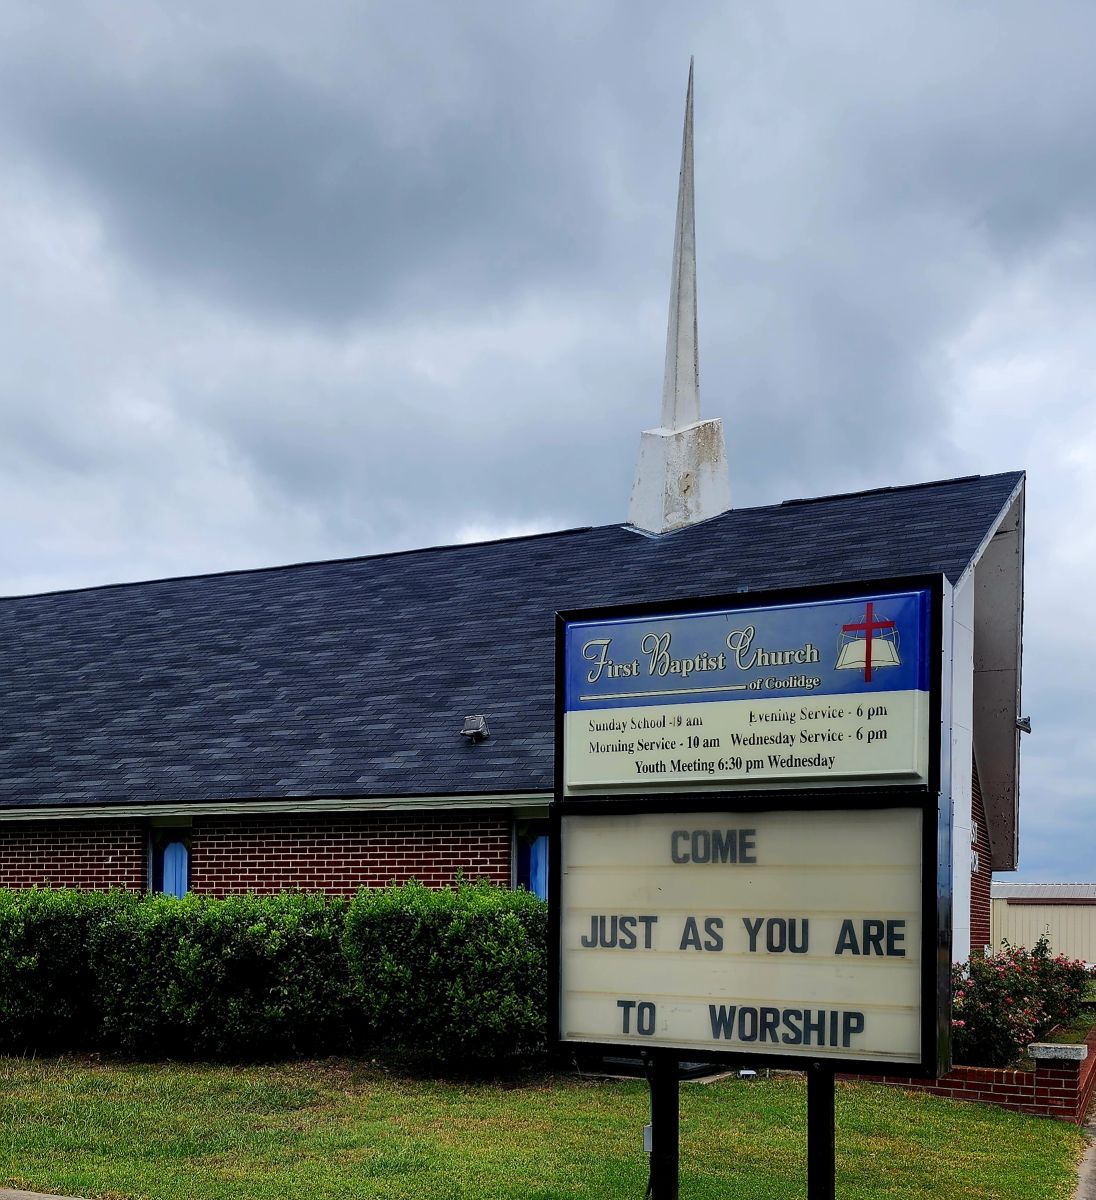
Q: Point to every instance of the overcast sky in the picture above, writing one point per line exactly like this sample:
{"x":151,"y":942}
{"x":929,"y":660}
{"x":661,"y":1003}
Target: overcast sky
{"x":286,"y":281}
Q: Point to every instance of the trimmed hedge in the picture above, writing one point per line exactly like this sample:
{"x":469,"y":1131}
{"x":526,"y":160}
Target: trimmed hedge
{"x":243,"y":977}
{"x":45,"y":977}
{"x":451,"y":976}
{"x":448,"y":977}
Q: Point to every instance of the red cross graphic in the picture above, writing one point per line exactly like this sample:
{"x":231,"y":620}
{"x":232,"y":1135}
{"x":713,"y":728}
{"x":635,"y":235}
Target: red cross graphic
{"x":869,"y":626}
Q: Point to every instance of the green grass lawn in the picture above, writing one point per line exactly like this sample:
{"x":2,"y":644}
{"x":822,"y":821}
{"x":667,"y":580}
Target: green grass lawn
{"x":1072,"y":1032}
{"x":331,"y":1131}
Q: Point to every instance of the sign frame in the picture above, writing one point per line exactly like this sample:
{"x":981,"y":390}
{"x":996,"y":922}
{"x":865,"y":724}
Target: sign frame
{"x":933,"y":802}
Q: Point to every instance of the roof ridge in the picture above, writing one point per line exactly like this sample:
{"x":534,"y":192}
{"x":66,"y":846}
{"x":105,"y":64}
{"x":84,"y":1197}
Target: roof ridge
{"x":898,"y":487}
{"x":293,"y":566}
{"x":1015,"y":883}
{"x":525,"y":537}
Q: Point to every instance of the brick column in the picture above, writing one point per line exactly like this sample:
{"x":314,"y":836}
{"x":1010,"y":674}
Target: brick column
{"x":1063,"y":1078}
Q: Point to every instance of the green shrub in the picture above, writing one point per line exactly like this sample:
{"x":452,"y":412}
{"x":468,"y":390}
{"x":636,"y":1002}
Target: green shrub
{"x":456,"y":976}
{"x":45,"y":978}
{"x":243,"y":977}
{"x":1004,"y":1001}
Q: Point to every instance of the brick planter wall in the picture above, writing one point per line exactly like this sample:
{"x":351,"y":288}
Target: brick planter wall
{"x":338,"y":854}
{"x":1056,"y":1088}
{"x":78,"y":854}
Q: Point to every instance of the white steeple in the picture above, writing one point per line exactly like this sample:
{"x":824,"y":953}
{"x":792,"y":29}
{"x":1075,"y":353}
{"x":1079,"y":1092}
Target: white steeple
{"x":681,"y":383}
{"x":681,"y":476}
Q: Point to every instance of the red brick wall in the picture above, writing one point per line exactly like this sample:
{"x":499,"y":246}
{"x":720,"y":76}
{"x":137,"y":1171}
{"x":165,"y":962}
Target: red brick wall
{"x":84,"y":854}
{"x":980,"y":879}
{"x":1054,"y":1089}
{"x":338,"y":854}
{"x":329,"y":853}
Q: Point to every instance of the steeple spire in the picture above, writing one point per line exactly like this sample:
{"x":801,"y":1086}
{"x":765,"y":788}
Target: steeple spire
{"x":681,"y":476}
{"x":681,"y":383}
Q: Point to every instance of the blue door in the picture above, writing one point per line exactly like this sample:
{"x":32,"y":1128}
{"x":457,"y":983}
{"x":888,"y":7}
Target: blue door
{"x":538,"y":867}
{"x":175,"y":869}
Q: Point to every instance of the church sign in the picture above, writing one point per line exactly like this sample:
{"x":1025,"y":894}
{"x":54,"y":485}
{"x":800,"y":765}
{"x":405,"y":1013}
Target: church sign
{"x":748,"y":828}
{"x":826,"y":692}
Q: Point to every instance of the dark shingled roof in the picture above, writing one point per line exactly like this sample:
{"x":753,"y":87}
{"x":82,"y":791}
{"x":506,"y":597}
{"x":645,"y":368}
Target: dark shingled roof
{"x":352,"y":678}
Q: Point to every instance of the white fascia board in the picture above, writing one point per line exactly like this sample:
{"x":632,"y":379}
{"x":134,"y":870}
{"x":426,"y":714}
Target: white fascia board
{"x":290,"y":806}
{"x":991,"y":532}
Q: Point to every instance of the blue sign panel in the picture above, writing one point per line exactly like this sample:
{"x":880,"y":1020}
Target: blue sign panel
{"x":832,"y":647}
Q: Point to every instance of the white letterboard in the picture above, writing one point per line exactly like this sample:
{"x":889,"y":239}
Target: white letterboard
{"x":794,"y":933}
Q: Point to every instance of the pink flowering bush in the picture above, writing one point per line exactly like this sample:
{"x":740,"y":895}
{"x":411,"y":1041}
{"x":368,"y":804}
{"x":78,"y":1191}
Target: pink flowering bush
{"x":1062,"y":981}
{"x":1003,"y":1001}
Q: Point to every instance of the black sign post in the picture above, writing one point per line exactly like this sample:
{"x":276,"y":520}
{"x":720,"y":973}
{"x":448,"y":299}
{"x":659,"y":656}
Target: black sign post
{"x":821,"y":1177}
{"x":663,"y":1079}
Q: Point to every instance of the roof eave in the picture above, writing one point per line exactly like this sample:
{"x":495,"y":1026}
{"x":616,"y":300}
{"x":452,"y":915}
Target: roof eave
{"x":282,"y":806}
{"x":998,"y":578}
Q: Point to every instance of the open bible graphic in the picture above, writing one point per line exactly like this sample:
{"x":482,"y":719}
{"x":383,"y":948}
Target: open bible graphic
{"x":868,"y":644}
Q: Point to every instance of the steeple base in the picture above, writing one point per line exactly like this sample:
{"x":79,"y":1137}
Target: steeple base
{"x":681,"y":477}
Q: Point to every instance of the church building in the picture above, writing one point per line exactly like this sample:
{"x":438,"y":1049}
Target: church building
{"x":329,"y":725}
